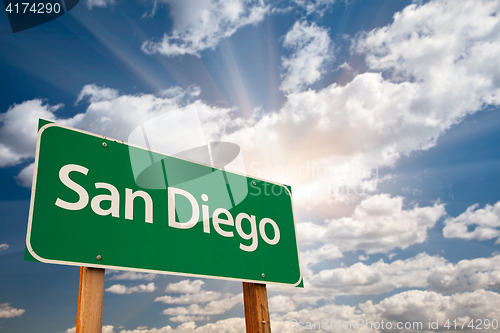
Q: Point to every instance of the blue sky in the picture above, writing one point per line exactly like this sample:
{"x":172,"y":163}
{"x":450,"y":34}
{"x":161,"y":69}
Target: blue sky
{"x":381,"y":115}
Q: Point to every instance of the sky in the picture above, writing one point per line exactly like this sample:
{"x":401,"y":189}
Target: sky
{"x":380,"y":114}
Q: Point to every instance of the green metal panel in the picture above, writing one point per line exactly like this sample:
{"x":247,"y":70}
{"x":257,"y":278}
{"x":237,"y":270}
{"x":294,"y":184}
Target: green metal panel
{"x":77,"y":237}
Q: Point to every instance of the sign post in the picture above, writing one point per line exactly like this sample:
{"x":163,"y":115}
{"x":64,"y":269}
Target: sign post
{"x":90,"y":300}
{"x":101,"y":203}
{"x":256,"y":308}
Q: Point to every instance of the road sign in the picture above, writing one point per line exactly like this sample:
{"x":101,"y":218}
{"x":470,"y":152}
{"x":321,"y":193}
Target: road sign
{"x":91,"y":207}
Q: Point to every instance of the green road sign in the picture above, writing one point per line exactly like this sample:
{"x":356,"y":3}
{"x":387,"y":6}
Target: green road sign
{"x":100,"y":202}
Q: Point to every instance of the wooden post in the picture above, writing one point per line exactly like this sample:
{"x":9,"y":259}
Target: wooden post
{"x":256,"y":308}
{"x":90,"y":297}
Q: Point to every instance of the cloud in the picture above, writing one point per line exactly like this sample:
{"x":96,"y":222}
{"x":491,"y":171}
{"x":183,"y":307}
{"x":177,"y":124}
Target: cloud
{"x":105,"y":329}
{"x":200,"y":25}
{"x":486,"y":221}
{"x":192,"y":294}
{"x":433,"y":65}
{"x":311,"y":50}
{"x":378,"y":224}
{"x":185,"y":286}
{"x":197,"y":297}
{"x":4,"y":246}
{"x":420,"y":306}
{"x":216,"y":307}
{"x":132,"y":276}
{"x":281,"y":303}
{"x":25,"y":177}
{"x":18,"y":130}
{"x":183,"y":318}
{"x":99,"y":3}
{"x":409,"y":307}
{"x":108,"y":113}
{"x":121,"y":289}
{"x":186,"y":327}
{"x":152,"y":13}
{"x":315,"y":6}
{"x":466,"y":275}
{"x":96,"y":94}
{"x":378,"y":277}
{"x":436,"y":43}
{"x":310,"y":258}
{"x":6,"y":311}
{"x":230,"y":325}
{"x":421,"y":271}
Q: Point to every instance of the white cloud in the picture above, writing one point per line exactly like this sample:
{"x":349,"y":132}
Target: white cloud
{"x":132,"y":276}
{"x":116,"y":115}
{"x":281,"y":303}
{"x":435,"y":64}
{"x":391,"y":255}
{"x":25,"y":177}
{"x":200,"y":25}
{"x":315,"y":6}
{"x":312,"y":257}
{"x":4,"y":246}
{"x":410,"y":307}
{"x":99,"y":3}
{"x":422,"y":271}
{"x":121,"y":289}
{"x":185,"y":286}
{"x":105,"y":329}
{"x":466,"y":275}
{"x":230,"y":325}
{"x":379,"y":224}
{"x":18,"y":130}
{"x":183,"y":318}
{"x":213,"y":308}
{"x":152,"y":13}
{"x":186,"y":327}
{"x":98,"y":94}
{"x":197,"y":297}
{"x":486,"y":221}
{"x":442,"y":45}
{"x":108,"y":114}
{"x":311,"y":50}
{"x":218,"y":303}
{"x":420,"y":306}
{"x":378,"y":277}
{"x":6,"y":311}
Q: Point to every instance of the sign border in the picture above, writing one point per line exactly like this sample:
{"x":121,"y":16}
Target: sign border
{"x":71,"y":263}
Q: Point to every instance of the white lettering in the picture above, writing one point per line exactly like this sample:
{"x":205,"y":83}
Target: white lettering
{"x":83,"y":195}
{"x":172,"y":191}
{"x":189,"y":218}
{"x":262,"y":229}
{"x":253,"y":232}
{"x":217,"y":220}
{"x":114,"y":209}
{"x":129,"y":205}
{"x":206,"y":215}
